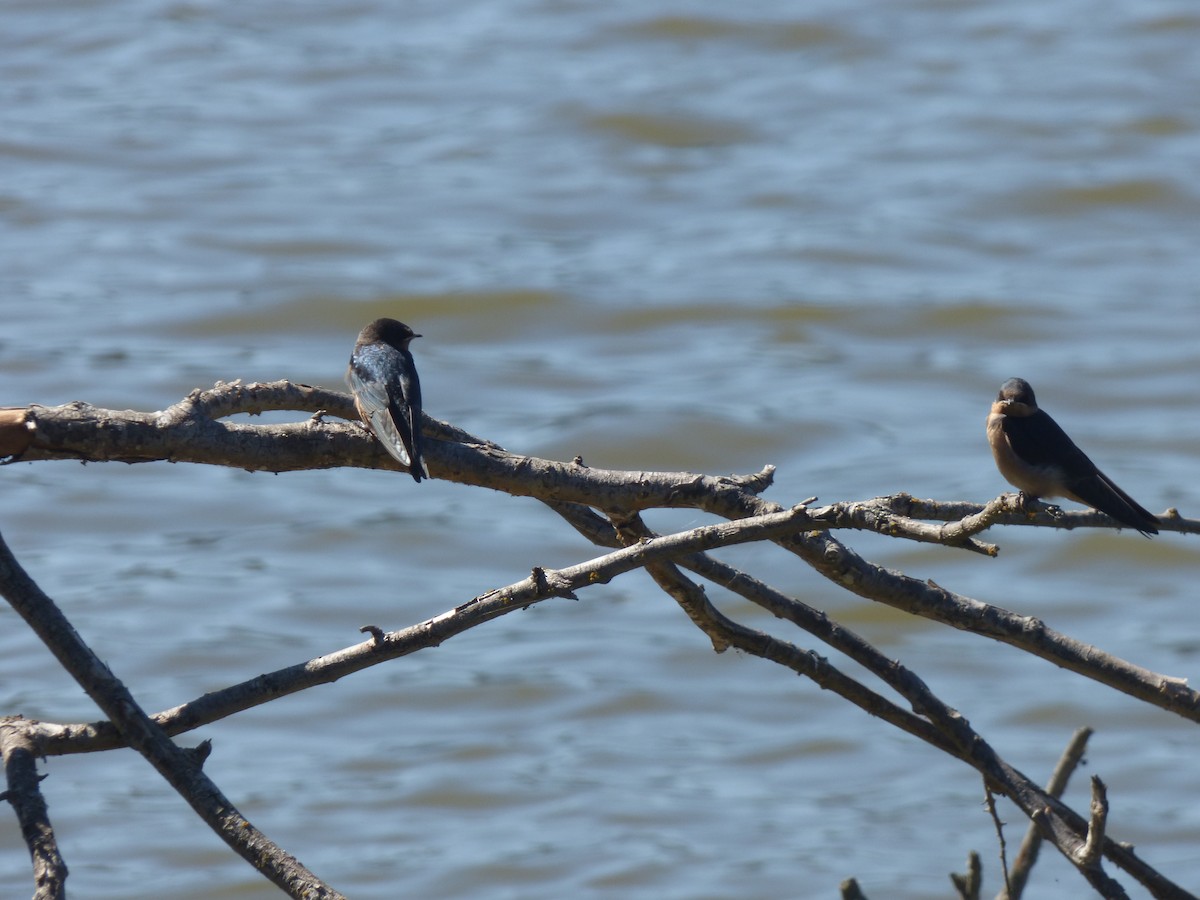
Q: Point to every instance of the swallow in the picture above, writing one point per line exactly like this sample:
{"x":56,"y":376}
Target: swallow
{"x":387,"y":393}
{"x":1035,"y":456}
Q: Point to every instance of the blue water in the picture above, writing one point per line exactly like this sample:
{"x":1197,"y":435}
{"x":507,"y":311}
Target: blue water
{"x":660,"y":236}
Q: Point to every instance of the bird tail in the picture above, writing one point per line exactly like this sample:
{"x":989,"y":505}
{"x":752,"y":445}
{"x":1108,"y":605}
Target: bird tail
{"x":1100,"y":493}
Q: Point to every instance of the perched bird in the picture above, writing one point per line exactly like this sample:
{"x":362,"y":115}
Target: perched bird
{"x":1036,"y":457}
{"x":387,"y":392}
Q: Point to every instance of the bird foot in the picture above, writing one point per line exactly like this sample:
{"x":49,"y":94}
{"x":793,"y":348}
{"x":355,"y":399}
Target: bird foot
{"x":1031,"y":505}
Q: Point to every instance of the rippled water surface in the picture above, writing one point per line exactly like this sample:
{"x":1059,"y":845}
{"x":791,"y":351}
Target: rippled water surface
{"x":663,"y":237}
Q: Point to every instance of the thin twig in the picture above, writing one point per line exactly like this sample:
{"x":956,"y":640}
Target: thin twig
{"x":990,"y":802}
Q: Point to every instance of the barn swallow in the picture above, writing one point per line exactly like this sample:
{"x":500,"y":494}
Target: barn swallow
{"x":1035,"y":456}
{"x":387,"y":392}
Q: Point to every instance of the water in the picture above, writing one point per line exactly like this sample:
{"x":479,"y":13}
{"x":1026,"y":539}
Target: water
{"x":658,"y":236}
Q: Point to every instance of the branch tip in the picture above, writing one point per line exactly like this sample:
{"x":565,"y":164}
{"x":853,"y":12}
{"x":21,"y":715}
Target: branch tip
{"x":1089,"y":854}
{"x":200,"y":753}
{"x":968,"y":884}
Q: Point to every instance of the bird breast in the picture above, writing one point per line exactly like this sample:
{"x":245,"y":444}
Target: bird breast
{"x":1035,"y":481}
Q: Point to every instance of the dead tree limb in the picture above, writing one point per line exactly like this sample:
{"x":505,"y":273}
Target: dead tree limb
{"x":174,"y":764}
{"x":607,"y":507}
{"x":1028,"y":853}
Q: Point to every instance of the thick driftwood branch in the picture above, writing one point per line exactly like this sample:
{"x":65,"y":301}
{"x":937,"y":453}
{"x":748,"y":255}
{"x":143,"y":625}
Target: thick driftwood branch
{"x":193,"y":431}
{"x":186,"y":432}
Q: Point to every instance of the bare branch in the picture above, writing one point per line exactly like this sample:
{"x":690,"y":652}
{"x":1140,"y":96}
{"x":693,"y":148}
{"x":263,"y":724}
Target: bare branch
{"x":1028,"y":853}
{"x":174,"y":764}
{"x":1042,"y":515}
{"x":186,"y":433}
{"x":844,"y":567}
{"x":955,"y":734}
{"x":874,"y":515}
{"x":430,"y":633}
{"x":197,"y":429}
{"x":968,"y":885}
{"x":990,"y":802}
{"x":1089,"y":855}
{"x":20,"y":770}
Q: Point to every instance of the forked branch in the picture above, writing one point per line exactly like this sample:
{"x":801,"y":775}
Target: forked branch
{"x":606,"y":506}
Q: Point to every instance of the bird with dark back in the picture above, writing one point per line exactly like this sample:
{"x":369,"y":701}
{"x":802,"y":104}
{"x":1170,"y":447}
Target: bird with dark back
{"x":387,"y":393}
{"x":1038,"y":458}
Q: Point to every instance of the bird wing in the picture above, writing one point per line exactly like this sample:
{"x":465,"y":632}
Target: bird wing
{"x":389,"y":417}
{"x":1099,"y":492}
{"x":406,"y":417}
{"x":1040,"y":441}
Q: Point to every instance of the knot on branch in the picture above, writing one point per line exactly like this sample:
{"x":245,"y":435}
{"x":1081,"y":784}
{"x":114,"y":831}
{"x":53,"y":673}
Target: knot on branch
{"x":1033,"y":626}
{"x":756,"y":483}
{"x":377,"y":635}
{"x":552,"y":584}
{"x":199,"y":754}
